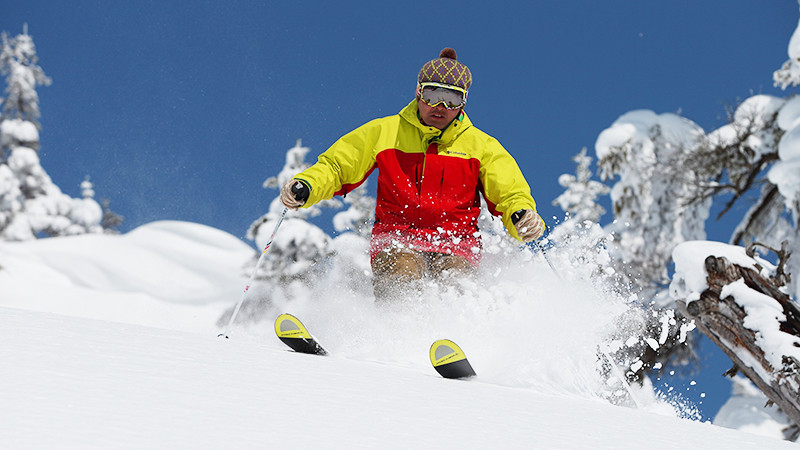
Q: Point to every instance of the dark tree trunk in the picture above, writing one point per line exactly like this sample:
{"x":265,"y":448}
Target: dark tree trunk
{"x":721,"y":319}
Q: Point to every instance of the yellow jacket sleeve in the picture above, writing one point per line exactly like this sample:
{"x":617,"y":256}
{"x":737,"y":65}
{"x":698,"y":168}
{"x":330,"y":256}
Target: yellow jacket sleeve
{"x":503,"y":183}
{"x":346,"y":162}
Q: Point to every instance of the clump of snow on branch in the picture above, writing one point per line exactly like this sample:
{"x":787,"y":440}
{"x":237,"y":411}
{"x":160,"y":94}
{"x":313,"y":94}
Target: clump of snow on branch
{"x":784,"y":173}
{"x":690,"y":275}
{"x":789,"y":73}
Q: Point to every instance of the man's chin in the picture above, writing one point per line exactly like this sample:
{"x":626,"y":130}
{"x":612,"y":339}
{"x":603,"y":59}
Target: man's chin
{"x":434,"y":122}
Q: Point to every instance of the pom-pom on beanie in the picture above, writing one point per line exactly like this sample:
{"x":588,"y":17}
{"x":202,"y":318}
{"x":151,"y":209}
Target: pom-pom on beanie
{"x":447,"y":70}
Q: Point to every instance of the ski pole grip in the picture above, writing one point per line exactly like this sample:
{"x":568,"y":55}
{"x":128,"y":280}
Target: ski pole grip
{"x":517,"y":215}
{"x":300,"y":191}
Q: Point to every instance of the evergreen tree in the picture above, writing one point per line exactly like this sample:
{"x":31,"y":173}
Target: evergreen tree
{"x":31,"y":205}
{"x":651,"y":197}
{"x":18,"y":61}
{"x":580,"y":235}
{"x":292,"y":253}
{"x":579,"y":200}
{"x":295,"y":163}
{"x":667,"y":173}
{"x":755,"y":161}
{"x":295,"y":262}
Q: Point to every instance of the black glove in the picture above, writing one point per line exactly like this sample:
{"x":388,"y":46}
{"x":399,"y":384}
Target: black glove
{"x":294,"y":193}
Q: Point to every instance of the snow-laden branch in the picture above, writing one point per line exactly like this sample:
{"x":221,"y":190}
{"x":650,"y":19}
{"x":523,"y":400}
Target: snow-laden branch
{"x":737,"y":302}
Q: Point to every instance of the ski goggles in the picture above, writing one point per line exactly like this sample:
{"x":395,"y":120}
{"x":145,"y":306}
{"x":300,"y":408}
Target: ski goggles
{"x":435,"y":94}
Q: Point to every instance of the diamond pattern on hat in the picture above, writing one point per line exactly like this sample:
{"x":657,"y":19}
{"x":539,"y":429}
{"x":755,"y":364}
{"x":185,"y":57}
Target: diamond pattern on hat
{"x":447,"y":71}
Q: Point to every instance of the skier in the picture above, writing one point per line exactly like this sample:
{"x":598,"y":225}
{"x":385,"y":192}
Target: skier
{"x":432,"y":166}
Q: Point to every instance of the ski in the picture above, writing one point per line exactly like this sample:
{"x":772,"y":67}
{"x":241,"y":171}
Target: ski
{"x":446,"y":356}
{"x":449,"y":360}
{"x":293,"y":333}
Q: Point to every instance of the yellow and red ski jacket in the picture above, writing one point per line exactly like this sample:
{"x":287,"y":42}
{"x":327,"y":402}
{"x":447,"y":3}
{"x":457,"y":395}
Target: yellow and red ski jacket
{"x":429,"y":181}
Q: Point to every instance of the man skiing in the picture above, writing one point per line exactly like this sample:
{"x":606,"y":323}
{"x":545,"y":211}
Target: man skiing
{"x":433,"y":165}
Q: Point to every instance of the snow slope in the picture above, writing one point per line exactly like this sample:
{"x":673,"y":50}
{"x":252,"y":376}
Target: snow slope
{"x":71,"y":382}
{"x":111,"y":342}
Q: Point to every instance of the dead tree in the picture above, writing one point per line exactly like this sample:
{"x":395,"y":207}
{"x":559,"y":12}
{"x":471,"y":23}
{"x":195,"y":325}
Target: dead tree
{"x":721,"y":319}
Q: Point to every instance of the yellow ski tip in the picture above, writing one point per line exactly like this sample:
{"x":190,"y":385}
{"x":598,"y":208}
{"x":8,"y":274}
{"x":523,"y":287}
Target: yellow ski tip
{"x":445,"y":351}
{"x":289,"y":326}
{"x":449,"y":360}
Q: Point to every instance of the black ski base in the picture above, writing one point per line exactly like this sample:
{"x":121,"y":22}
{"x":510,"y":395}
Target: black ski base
{"x":456,"y":370}
{"x":302,"y":345}
{"x":293,"y":333}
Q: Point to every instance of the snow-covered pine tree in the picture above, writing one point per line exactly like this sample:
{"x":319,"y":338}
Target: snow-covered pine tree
{"x":300,"y":244}
{"x":670,"y":172}
{"x":302,"y":258}
{"x":652,"y":214}
{"x":18,"y":61}
{"x":785,"y":173}
{"x":580,"y":235}
{"x":755,"y":161}
{"x":30,"y":204}
{"x":290,"y":266}
{"x":579,"y":199}
{"x":652,"y":211}
{"x":85,"y":213}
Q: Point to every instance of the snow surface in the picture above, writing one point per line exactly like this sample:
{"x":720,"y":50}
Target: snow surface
{"x":746,"y":411}
{"x":789,"y":73}
{"x":111,"y":342}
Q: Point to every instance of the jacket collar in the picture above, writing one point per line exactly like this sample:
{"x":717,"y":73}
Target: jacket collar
{"x":432,"y":134}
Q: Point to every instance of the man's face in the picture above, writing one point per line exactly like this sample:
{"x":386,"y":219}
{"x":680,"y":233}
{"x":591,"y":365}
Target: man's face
{"x":437,"y":116}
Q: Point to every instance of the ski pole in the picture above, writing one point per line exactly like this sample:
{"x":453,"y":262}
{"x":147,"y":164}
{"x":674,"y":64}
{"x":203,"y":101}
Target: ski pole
{"x":547,"y":258}
{"x":605,"y":353}
{"x":253,"y":276}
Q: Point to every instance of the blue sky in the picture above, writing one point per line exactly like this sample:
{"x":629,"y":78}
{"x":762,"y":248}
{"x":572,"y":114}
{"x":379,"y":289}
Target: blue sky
{"x":180,"y":110}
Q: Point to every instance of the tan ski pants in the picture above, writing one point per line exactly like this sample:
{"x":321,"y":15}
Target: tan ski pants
{"x":395,"y":270}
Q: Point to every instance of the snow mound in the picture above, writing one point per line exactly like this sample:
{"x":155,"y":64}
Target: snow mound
{"x":149,"y":276}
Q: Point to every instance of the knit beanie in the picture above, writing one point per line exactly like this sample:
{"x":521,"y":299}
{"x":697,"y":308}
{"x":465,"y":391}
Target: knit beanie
{"x":446,"y":70}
